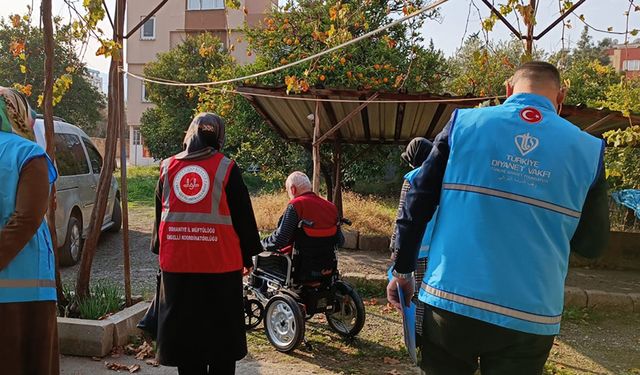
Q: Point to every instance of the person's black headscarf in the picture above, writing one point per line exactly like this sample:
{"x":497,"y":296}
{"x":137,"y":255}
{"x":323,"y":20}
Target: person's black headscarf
{"x":417,"y":151}
{"x":206,"y":132}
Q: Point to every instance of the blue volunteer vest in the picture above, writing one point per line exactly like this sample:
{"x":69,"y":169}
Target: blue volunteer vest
{"x":428,"y":233}
{"x":30,"y":276}
{"x":515,"y":183}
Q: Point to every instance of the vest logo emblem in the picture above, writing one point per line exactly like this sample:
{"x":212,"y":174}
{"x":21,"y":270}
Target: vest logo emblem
{"x":526,"y":143}
{"x":531,"y":115}
{"x":191,"y":184}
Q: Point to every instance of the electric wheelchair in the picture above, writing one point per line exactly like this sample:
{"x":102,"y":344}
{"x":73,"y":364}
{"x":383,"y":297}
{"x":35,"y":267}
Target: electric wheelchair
{"x":289,"y":286}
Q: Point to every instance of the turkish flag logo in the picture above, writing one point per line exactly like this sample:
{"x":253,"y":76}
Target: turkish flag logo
{"x":531,"y":115}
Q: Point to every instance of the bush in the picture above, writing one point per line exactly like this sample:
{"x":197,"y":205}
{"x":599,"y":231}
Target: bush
{"x":105,"y":298}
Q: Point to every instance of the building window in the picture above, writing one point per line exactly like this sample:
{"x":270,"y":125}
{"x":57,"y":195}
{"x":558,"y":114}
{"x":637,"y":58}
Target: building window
{"x":631,"y":65}
{"x":205,"y":4}
{"x":137,"y":138}
{"x":145,"y":94}
{"x":148,"y":30}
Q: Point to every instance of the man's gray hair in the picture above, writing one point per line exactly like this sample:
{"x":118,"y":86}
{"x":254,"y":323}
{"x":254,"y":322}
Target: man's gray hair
{"x":299,"y":180}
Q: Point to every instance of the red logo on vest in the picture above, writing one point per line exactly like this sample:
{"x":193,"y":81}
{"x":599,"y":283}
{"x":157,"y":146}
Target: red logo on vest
{"x":531,"y":115}
{"x":191,"y":184}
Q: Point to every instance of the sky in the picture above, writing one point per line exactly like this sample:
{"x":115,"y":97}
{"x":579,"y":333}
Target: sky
{"x":446,"y":33}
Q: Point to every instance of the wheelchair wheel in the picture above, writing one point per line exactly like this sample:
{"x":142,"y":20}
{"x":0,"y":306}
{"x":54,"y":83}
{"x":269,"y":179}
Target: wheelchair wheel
{"x":253,"y":313}
{"x":284,"y":323}
{"x":348,"y":316}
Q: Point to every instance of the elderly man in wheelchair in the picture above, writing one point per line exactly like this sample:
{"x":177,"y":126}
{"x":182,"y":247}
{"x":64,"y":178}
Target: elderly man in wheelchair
{"x":297,"y":275}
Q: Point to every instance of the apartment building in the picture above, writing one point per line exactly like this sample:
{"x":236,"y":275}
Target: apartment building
{"x":168,"y":28}
{"x":626,"y":58}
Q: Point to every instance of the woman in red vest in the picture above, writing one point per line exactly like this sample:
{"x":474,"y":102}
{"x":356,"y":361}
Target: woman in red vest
{"x":205,"y":234}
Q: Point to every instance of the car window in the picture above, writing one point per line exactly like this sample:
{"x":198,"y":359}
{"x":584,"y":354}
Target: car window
{"x":94,"y":156}
{"x":70,"y":156}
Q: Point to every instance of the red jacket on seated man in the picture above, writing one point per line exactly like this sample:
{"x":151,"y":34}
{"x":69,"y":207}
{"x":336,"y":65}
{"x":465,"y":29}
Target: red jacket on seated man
{"x":316,"y":242}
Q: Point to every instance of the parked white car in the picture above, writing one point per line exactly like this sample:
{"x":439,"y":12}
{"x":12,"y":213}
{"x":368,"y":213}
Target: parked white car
{"x":79,"y":164}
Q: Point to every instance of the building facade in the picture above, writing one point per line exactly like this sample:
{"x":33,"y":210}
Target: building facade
{"x":168,"y":28}
{"x":95,"y":77}
{"x":626,"y":58}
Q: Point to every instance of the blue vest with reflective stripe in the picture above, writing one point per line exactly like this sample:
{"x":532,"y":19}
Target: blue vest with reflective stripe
{"x":516,"y":180}
{"x":30,"y":276}
{"x":426,"y":239}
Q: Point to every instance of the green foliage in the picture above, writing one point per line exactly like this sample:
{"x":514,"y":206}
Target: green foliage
{"x":389,"y":61}
{"x":106,"y":298}
{"x":164,"y":125}
{"x":141,"y":184}
{"x":482,"y":69}
{"x":588,"y":81}
{"x":623,"y":96}
{"x":22,"y":66}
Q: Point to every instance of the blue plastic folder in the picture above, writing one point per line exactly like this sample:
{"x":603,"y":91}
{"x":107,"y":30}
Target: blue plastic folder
{"x":408,"y":324}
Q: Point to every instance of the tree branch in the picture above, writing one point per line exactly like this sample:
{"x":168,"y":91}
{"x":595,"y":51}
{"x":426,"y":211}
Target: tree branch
{"x":139,"y":25}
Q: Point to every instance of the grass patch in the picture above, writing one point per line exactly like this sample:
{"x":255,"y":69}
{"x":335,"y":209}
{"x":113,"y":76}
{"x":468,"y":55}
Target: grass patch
{"x":580,"y":315}
{"x":369,"y":214}
{"x":555,"y":369}
{"x":141,"y":185}
{"x":368,"y":288}
{"x":106,"y":297}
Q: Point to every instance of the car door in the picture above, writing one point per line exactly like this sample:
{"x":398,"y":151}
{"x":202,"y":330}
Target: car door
{"x":73,"y":164}
{"x":95,"y":160}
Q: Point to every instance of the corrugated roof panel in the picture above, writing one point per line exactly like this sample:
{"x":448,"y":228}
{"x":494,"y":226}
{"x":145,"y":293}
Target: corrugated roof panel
{"x":388,"y":120}
{"x":271,"y":107}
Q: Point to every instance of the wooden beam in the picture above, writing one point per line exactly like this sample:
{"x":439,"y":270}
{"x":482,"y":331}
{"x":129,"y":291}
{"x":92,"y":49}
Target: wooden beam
{"x":331,"y":114}
{"x":347,"y":118}
{"x":316,"y":150}
{"x":399,"y":120}
{"x":598,"y":123}
{"x":337,"y":168}
{"x":437,"y":115}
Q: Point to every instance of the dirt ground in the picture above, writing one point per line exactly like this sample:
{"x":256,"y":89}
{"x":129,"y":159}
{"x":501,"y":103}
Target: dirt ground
{"x":589,"y":343}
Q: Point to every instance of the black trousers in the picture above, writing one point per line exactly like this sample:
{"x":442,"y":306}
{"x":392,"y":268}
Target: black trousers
{"x":453,"y":344}
{"x":218,"y":368}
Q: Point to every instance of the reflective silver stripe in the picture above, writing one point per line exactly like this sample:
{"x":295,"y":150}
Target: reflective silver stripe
{"x":164,"y":170}
{"x":214,"y":217}
{"x":27,"y":283}
{"x":514,"y":197}
{"x":491,"y":307}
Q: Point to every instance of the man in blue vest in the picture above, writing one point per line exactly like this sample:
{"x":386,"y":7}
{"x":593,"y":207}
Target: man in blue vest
{"x":518,"y":188}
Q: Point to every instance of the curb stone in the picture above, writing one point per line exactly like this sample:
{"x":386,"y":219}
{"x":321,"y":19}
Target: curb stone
{"x":573,"y":296}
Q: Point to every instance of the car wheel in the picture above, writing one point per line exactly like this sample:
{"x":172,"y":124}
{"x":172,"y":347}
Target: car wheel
{"x":72,"y":248}
{"x":116,"y":217}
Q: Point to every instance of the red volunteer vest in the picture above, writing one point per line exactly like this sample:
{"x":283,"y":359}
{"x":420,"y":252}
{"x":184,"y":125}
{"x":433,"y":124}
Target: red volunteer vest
{"x":196,"y":232}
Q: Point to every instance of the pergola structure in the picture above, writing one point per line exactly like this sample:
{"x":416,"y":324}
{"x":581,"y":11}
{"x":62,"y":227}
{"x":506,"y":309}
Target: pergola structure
{"x":341,"y":116}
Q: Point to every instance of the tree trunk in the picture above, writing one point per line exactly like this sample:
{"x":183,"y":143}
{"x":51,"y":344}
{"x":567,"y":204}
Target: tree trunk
{"x":328,"y":179}
{"x":124,"y":194}
{"x":315,"y":150}
{"x":49,"y":131}
{"x":113,"y":126}
{"x":337,"y":172}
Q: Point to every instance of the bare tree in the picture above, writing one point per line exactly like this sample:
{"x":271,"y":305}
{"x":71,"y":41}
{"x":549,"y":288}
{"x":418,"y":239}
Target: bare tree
{"x":115,"y":126}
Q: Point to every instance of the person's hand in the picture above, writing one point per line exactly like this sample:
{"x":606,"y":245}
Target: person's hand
{"x":406,"y":285}
{"x":246,"y":271}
